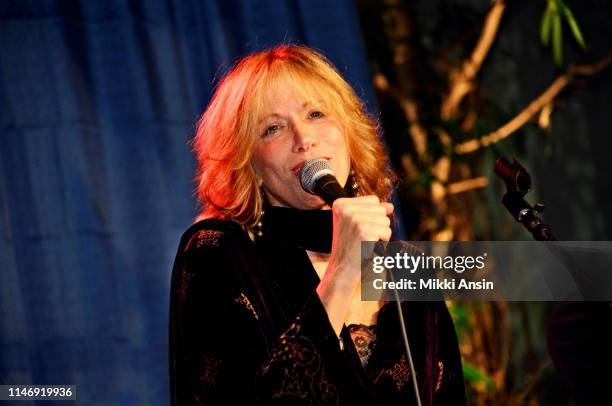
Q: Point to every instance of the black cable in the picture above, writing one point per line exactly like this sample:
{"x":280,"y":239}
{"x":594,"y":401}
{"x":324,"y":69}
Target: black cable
{"x":406,"y":343}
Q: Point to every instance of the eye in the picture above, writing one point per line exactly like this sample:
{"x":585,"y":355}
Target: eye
{"x":314,"y":114}
{"x":271,"y":130}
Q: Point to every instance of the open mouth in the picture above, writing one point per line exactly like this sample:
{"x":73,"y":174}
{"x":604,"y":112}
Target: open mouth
{"x":297,"y":168}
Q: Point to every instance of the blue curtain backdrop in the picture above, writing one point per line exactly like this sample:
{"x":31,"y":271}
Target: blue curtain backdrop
{"x":98,"y":100}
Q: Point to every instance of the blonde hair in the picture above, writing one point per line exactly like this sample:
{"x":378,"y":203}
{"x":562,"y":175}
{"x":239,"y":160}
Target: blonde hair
{"x":226,"y":132}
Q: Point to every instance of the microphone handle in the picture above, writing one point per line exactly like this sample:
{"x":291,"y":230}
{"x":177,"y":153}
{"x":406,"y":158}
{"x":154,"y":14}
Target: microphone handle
{"x":328,"y":188}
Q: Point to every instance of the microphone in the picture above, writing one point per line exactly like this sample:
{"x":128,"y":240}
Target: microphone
{"x":317,"y":178}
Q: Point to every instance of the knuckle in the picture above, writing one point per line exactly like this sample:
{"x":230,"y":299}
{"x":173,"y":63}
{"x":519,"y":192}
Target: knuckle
{"x":339,"y":208}
{"x":387,"y":234}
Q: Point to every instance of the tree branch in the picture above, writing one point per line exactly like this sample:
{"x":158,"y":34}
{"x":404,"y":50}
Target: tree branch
{"x":417,"y":132}
{"x":534,"y":107}
{"x":462,"y":80}
{"x":467,"y":184}
{"x":487,"y":36}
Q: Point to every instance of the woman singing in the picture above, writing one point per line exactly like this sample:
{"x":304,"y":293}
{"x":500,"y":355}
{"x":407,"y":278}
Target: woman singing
{"x":265,"y":304}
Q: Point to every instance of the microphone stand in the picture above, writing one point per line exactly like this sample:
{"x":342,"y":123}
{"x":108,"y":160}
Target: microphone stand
{"x":518,"y":184}
{"x":568,"y":317}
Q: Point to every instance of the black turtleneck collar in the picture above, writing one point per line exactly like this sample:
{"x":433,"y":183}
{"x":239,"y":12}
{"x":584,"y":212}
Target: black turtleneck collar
{"x":308,"y":229}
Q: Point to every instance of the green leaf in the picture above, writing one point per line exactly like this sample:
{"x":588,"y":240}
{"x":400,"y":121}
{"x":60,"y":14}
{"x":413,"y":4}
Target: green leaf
{"x":474,"y":375}
{"x":571,"y":21}
{"x":461,"y":318}
{"x":545,"y":27}
{"x":557,"y":39}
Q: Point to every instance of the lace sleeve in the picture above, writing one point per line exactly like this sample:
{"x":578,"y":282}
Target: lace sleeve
{"x":364,"y":338}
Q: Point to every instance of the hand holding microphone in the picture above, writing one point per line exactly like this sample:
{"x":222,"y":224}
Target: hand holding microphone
{"x":355,"y":219}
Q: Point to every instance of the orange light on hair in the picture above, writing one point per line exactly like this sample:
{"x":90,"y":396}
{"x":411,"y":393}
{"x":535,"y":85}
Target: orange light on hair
{"x":227,"y":185}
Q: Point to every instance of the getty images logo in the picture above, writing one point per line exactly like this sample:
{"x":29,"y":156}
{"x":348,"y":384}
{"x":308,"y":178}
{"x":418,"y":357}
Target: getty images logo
{"x":412,"y":263}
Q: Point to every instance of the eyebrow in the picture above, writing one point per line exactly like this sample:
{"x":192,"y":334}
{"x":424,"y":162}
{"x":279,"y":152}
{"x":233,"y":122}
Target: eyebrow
{"x":276,"y":115}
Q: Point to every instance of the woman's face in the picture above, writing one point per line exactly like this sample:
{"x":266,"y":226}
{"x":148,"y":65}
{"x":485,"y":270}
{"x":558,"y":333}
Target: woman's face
{"x":289,"y":133}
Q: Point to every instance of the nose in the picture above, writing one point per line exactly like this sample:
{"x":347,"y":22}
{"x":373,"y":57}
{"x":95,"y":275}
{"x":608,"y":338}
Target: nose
{"x":304,"y":137}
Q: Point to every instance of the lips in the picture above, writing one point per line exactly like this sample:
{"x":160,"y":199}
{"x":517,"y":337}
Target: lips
{"x":298,"y":166}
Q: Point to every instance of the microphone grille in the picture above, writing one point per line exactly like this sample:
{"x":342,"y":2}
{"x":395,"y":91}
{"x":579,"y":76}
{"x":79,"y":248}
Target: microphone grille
{"x":312,"y":170}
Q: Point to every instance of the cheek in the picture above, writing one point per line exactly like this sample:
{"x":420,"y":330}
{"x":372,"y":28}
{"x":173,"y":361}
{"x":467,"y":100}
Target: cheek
{"x":341,"y":147}
{"x":265,"y":164}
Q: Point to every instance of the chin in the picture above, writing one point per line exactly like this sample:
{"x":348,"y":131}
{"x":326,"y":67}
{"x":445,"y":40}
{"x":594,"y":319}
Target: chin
{"x":301,"y":200}
{"x":310,"y":202}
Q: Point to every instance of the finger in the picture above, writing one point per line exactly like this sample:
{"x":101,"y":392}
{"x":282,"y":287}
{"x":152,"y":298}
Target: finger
{"x":383,"y":209}
{"x":351,"y":210}
{"x":379,"y":232}
{"x":372,"y":220}
{"x":388,"y":207}
{"x":359,"y":200}
{"x":371,"y":230}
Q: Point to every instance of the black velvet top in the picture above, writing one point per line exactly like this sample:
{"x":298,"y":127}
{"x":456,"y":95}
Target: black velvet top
{"x":247,"y":326}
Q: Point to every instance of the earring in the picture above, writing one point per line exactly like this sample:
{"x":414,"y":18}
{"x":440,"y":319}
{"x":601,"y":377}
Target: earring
{"x":258,"y":226}
{"x":257,"y":229}
{"x":353,"y":183}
